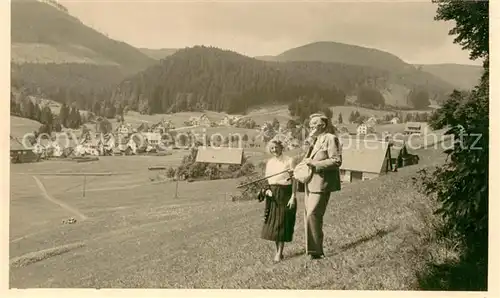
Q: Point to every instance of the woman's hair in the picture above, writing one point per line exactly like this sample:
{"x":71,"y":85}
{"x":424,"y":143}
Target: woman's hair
{"x":275,"y":142}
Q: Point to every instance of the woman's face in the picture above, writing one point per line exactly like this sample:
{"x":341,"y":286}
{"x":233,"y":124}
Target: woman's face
{"x":275,"y":149}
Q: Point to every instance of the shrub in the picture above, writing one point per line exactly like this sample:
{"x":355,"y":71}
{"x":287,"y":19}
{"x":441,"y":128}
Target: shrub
{"x":170,"y":172}
{"x":190,"y":169}
{"x":461,"y":185}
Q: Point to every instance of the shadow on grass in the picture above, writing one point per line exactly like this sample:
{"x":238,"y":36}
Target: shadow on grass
{"x":296,"y":254}
{"x":461,"y":275}
{"x":377,"y":235}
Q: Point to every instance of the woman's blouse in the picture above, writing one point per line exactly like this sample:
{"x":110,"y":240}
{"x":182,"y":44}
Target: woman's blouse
{"x":278,"y":164}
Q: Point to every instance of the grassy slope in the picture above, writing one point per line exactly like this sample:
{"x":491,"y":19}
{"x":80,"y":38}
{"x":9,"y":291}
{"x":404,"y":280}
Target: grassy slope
{"x":203,"y":240}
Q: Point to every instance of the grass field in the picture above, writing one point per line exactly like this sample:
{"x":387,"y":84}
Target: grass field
{"x":131,"y":232}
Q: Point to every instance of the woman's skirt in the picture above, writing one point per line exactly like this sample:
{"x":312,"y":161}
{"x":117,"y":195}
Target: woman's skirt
{"x":279,"y":223}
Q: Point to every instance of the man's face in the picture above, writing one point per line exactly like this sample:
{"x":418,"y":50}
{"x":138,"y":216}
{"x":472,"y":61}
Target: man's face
{"x":316,"y":126}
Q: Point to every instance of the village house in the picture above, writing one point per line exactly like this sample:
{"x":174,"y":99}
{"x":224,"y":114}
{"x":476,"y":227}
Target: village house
{"x":400,"y":157}
{"x":371,"y":122}
{"x":415,"y":128}
{"x":124,"y":129}
{"x":364,"y":159}
{"x":56,"y":148}
{"x":364,"y":129}
{"x":162,"y":127}
{"x":19,"y":153}
{"x":144,"y":127}
{"x":200,"y":121}
{"x":395,"y":120}
{"x":228,"y":120}
{"x":152,"y":138}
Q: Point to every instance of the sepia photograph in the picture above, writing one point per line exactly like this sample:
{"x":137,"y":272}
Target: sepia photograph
{"x":255,"y":145}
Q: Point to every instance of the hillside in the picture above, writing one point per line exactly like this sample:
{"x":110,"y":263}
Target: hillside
{"x":375,"y":233}
{"x":395,"y":68}
{"x":158,"y":54}
{"x":55,"y":55}
{"x":345,"y":53}
{"x":459,"y":75}
{"x":221,"y":80}
{"x":41,"y":33}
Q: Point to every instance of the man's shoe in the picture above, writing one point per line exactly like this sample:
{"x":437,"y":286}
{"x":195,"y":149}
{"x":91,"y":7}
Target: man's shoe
{"x":316,"y":257}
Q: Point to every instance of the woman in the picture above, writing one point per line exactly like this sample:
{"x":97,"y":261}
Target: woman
{"x":281,"y":203}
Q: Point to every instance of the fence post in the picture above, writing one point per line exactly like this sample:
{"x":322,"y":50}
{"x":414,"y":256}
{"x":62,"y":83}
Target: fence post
{"x":84,"y":184}
{"x":176,"y":188}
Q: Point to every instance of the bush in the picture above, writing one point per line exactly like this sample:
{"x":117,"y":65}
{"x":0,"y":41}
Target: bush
{"x":461,"y":185}
{"x":190,"y":169}
{"x":170,"y":172}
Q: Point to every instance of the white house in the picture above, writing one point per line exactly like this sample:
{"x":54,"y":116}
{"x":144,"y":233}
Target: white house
{"x":228,"y":120}
{"x":395,"y":120}
{"x":364,"y":129}
{"x":152,"y":138}
{"x":124,"y":129}
{"x":364,"y":159}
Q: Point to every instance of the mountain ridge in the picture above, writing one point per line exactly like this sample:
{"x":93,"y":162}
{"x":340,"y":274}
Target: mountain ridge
{"x":225,"y":80}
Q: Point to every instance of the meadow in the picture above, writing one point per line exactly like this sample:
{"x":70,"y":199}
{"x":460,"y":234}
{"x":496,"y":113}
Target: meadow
{"x":131,"y":231}
{"x":135,"y":229}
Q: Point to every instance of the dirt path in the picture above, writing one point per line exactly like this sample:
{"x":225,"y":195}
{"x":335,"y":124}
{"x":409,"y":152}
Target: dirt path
{"x":57,"y":202}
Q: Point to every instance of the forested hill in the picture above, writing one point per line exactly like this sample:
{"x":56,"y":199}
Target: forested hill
{"x":221,"y":80}
{"x":335,"y":52}
{"x":328,"y":51}
{"x":56,"y":56}
{"x":214,"y":79}
{"x":43,"y":33}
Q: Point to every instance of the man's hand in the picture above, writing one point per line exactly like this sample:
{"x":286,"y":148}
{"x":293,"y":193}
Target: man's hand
{"x":291,"y":202}
{"x":309,"y":162}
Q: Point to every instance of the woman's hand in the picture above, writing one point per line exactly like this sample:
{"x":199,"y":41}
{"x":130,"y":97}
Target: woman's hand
{"x":292,"y":202}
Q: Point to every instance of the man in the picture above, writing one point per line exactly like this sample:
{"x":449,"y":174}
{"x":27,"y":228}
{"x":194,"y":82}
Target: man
{"x":324,"y":158}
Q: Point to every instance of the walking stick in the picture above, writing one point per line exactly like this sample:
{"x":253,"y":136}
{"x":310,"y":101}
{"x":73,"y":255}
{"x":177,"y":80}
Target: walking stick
{"x":264,"y":178}
{"x":305,"y":217}
{"x":261,"y":179}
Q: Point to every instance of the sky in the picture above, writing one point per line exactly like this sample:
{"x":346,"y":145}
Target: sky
{"x":265,"y":27}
